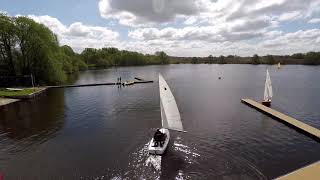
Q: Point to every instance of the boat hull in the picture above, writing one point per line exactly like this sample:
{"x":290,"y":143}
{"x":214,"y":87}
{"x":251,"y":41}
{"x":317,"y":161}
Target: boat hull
{"x":159,"y":150}
{"x":266,"y":103}
{"x":128,"y":83}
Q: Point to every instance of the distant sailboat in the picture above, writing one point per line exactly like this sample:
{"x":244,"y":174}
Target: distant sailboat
{"x":170,"y":117}
{"x":267,"y":91}
{"x":279,"y":65}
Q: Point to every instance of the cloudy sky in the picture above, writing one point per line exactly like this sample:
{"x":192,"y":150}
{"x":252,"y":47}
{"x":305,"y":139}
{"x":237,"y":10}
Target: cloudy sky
{"x":180,"y":27}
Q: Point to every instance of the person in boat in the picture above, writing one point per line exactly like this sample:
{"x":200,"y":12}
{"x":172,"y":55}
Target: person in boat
{"x":159,"y":138}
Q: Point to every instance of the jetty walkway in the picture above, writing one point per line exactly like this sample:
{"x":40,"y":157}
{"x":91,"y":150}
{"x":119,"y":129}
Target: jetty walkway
{"x":96,"y":84}
{"x":284,"y":118}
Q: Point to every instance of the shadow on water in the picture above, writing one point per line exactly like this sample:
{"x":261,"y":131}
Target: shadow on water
{"x":33,"y":121}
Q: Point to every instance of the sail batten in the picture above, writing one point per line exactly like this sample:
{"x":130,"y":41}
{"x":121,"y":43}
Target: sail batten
{"x":268,"y":88}
{"x":170,"y":115}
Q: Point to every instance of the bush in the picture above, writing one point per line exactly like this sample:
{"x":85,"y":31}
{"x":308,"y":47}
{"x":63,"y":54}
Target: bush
{"x":255,"y":59}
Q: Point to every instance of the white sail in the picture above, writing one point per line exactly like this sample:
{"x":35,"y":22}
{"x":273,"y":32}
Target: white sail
{"x":170,"y":115}
{"x":268,"y":88}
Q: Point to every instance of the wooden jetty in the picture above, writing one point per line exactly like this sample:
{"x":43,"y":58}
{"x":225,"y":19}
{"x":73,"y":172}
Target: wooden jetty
{"x":284,"y":118}
{"x":139,"y":79}
{"x":96,"y":84}
{"x":82,"y":85}
{"x":6,"y":101}
{"x":142,"y":82}
{"x":309,"y":172}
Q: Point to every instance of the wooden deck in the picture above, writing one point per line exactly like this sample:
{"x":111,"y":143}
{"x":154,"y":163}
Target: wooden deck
{"x":96,"y":84}
{"x":6,"y":101}
{"x":287,"y":119}
{"x":309,"y":172}
{"x":82,"y":85}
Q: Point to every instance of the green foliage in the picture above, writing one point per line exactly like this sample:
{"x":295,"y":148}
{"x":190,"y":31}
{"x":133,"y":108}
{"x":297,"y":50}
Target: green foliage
{"x":7,"y":44}
{"x":255,"y":59}
{"x":210,"y":59}
{"x":298,"y":56}
{"x":221,"y":60}
{"x":270,"y":59}
{"x":113,"y":57}
{"x":27,"y":47}
{"x":194,"y":60}
{"x":312,"y":58}
{"x":163,"y":57}
{"x":24,"y":92}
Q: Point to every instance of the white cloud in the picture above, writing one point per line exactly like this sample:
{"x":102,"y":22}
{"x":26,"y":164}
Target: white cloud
{"x":225,"y":39}
{"x":271,"y":42}
{"x":191,"y":20}
{"x":188,"y":33}
{"x":146,"y":12}
{"x":197,"y":27}
{"x":314,"y":21}
{"x":290,"y":16}
{"x":300,"y":41}
{"x":78,"y":35}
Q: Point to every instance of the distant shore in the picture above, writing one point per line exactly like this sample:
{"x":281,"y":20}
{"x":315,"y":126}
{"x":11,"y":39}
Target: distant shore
{"x":311,"y":58}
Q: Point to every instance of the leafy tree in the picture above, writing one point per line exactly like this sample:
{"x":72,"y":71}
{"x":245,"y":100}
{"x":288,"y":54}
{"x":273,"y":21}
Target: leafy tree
{"x":312,"y":58}
{"x":164,"y":59}
{"x":270,"y":59}
{"x":298,"y":56}
{"x":221,"y":60}
{"x":40,"y":52}
{"x":210,"y":57}
{"x":8,"y":40}
{"x":27,"y":47}
{"x":194,"y":60}
{"x":255,"y":59}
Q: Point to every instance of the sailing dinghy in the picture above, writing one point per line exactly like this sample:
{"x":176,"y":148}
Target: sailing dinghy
{"x":267,"y":91}
{"x":170,"y":118}
{"x":279,"y":66}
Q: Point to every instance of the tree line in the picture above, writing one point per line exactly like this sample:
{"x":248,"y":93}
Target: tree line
{"x":309,"y":58}
{"x":114,"y":57}
{"x":28,"y":47}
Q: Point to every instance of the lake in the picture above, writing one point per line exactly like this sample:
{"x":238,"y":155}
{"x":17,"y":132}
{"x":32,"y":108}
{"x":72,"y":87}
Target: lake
{"x":103,"y":132}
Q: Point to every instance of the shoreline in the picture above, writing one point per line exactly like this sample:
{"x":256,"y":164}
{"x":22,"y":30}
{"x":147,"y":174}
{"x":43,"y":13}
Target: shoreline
{"x":7,"y":101}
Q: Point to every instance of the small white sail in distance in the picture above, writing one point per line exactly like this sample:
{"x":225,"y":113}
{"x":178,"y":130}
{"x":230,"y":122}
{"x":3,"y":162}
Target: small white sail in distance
{"x":268,"y":88}
{"x":170,"y":115}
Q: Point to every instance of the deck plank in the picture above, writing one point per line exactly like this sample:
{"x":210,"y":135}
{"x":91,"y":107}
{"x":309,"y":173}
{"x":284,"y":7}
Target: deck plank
{"x":309,"y":172}
{"x":294,"y":122}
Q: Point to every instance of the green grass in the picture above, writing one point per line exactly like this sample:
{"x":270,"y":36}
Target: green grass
{"x":24,"y":92}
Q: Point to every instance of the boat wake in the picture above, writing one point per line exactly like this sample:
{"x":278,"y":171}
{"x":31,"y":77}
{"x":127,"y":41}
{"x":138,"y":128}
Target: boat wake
{"x":189,"y":153}
{"x":143,"y":165}
{"x":154,"y":161}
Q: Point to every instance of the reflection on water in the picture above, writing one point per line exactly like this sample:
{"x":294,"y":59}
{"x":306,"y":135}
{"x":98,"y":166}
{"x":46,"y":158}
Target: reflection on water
{"x":30,"y":122}
{"x":103,"y":132}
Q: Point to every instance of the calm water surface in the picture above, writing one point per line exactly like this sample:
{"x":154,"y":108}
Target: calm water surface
{"x":103,"y":132}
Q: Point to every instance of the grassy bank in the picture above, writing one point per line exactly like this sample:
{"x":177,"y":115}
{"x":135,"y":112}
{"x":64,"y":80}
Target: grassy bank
{"x":24,"y":92}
